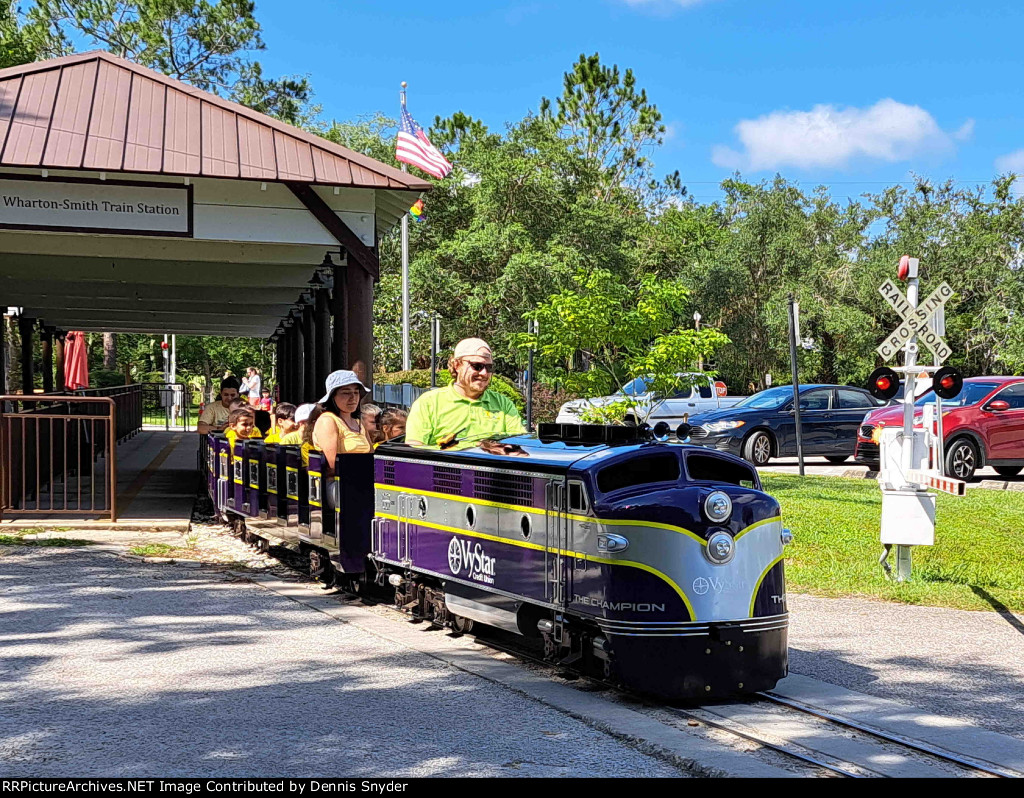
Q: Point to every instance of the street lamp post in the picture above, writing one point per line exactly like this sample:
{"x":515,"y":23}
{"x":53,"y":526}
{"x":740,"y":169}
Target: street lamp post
{"x":696,"y":324}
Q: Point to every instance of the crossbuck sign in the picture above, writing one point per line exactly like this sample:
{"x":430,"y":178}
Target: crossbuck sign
{"x":916,"y":321}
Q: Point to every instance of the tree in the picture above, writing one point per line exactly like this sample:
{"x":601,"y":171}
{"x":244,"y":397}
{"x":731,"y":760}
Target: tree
{"x":608,"y":120}
{"x":621,"y":332}
{"x":16,"y":46}
{"x":199,"y":42}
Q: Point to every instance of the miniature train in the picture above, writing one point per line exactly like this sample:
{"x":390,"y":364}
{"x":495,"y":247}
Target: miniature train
{"x":656,"y":565}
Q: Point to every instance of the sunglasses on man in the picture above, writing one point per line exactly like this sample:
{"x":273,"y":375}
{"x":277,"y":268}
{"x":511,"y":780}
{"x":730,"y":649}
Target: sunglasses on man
{"x":478,"y":367}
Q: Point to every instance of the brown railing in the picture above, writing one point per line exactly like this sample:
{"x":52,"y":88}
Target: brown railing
{"x":128,"y":399}
{"x":58,"y":454}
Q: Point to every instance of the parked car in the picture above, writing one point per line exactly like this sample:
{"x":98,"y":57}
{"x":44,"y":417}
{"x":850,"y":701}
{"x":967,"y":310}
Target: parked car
{"x":982,"y":426}
{"x":698,"y":398}
{"x":763,"y":426}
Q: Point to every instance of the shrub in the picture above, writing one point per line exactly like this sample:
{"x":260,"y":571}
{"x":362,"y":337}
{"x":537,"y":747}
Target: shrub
{"x":547,"y":401}
{"x":421,"y":379}
{"x":105,"y":378}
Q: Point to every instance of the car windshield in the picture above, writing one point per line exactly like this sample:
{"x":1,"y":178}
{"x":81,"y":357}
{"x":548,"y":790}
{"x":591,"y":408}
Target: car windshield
{"x":970,"y":394}
{"x":636,"y":387}
{"x":772,"y":399}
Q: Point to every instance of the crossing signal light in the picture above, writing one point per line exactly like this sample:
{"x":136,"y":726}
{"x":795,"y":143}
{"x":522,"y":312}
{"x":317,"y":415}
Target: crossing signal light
{"x":883,"y":383}
{"x":947,"y":382}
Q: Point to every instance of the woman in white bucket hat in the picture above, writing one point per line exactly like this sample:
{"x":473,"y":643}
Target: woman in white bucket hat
{"x":339,"y":430}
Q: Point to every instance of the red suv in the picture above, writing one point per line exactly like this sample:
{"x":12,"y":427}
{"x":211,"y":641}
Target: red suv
{"x":983,"y":425}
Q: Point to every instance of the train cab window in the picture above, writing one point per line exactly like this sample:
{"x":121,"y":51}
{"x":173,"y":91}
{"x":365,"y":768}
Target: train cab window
{"x":717,"y":469}
{"x":577,"y":497}
{"x":639,"y":471}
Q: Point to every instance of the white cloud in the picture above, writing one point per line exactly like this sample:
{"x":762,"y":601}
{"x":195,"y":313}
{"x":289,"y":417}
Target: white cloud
{"x":965,"y":132}
{"x":828,"y":136}
{"x":1011,"y":162}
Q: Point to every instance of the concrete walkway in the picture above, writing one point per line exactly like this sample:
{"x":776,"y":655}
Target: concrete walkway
{"x":122,"y":669}
{"x":156,"y":486}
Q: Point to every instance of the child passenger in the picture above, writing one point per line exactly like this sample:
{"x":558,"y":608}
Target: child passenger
{"x":392,"y":423}
{"x":241,"y":424}
{"x":284,"y":417}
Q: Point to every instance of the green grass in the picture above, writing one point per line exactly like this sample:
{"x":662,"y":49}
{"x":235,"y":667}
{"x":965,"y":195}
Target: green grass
{"x":17,"y":538}
{"x":977,"y":561}
{"x":155,"y":550}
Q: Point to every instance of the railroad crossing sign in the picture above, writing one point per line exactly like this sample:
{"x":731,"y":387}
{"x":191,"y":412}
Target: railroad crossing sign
{"x":919,"y":321}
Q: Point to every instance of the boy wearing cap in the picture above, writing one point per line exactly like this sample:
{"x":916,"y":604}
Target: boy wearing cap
{"x":466,"y":410}
{"x":294,"y":435}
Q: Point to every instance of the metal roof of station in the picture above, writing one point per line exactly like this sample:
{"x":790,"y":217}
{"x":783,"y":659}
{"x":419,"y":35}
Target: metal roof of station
{"x":271,"y":201}
{"x":95,"y":111}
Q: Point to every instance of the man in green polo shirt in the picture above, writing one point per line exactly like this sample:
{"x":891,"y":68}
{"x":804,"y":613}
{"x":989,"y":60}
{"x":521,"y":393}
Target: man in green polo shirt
{"x":467,"y":410}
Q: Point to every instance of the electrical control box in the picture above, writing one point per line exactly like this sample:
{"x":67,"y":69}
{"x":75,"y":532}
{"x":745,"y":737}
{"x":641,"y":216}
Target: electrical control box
{"x":908,"y":517}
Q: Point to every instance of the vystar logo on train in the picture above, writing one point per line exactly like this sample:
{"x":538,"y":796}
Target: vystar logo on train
{"x":464,"y":554}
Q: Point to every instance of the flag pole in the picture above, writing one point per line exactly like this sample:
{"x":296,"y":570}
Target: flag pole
{"x":406,"y":365}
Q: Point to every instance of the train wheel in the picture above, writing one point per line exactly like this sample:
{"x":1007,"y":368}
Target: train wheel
{"x":461,"y":625}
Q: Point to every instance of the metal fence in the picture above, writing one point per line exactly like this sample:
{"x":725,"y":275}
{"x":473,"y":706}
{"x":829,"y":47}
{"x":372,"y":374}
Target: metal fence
{"x":166,"y":403}
{"x":58,"y":453}
{"x":128,"y":401}
{"x":397,"y":395}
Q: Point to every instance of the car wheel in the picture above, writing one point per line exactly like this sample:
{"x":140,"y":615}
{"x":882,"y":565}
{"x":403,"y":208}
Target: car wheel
{"x":1008,"y":471}
{"x":758,"y":449}
{"x":962,"y":459}
{"x":837,"y":459}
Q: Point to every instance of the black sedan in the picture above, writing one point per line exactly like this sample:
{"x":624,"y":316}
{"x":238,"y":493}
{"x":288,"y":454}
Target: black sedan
{"x":763,"y":426}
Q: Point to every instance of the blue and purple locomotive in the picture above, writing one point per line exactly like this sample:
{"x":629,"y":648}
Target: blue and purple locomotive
{"x":654,"y":564}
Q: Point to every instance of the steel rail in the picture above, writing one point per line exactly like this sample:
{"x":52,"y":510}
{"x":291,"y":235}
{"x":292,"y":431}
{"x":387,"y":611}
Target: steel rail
{"x":780,"y":747}
{"x":909,"y":742}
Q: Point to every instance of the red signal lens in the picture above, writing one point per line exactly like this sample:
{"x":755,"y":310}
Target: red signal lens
{"x":947,"y":382}
{"x":883,"y":383}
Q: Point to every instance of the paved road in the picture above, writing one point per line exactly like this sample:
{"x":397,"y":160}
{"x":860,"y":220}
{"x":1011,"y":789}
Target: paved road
{"x":955,"y":663}
{"x":113,"y":667}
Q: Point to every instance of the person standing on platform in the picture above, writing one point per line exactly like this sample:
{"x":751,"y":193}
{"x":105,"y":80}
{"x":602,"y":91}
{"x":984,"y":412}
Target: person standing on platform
{"x":466,"y":410}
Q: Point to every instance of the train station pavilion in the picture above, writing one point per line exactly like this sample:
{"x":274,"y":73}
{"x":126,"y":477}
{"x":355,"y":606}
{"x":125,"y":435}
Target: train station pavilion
{"x":131,"y":202}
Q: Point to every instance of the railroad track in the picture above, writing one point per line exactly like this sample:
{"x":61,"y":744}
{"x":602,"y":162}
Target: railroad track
{"x":850,"y":748}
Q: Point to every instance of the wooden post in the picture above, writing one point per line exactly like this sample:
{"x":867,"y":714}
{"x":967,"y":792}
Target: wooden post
{"x":309,"y":354}
{"x":59,"y":346}
{"x":279,"y":370}
{"x":3,"y":351}
{"x":339,"y":317}
{"x":322,"y":323}
{"x":299,"y":360}
{"x":46,"y":337}
{"x":289,"y":362}
{"x":360,"y":324}
{"x":25,"y":327}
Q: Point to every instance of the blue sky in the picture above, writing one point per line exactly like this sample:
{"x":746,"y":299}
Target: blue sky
{"x":855,"y":95}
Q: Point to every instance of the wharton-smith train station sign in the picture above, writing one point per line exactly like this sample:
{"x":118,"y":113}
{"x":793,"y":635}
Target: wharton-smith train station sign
{"x":98,"y":206}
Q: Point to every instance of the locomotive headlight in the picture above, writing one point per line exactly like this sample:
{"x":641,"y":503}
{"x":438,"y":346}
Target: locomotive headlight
{"x":718,"y":506}
{"x":721,"y":547}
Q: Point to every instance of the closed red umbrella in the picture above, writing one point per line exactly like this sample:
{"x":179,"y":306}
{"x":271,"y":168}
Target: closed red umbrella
{"x":76,"y":362}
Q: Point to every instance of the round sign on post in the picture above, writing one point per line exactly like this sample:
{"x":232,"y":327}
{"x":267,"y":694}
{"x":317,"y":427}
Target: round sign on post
{"x":720,"y":389}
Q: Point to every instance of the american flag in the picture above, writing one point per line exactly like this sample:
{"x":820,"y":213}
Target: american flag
{"x":414,"y":148}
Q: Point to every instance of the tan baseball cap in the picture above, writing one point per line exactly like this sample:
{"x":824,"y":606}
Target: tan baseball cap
{"x":469,"y":347}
